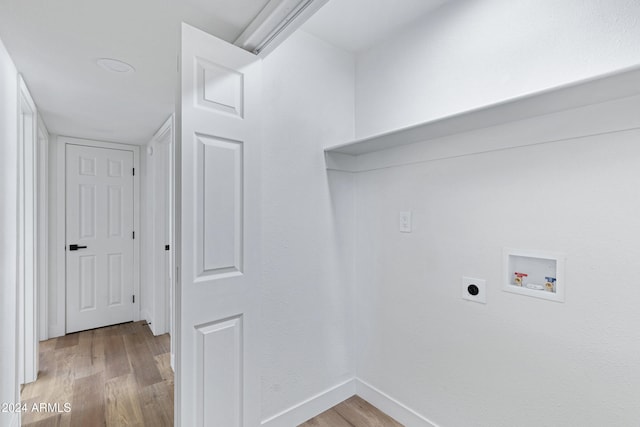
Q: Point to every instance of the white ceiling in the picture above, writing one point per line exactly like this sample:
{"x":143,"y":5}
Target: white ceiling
{"x":355,"y":25}
{"x":55,"y":44}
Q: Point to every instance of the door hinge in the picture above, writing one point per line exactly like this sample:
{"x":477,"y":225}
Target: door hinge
{"x":133,"y":299}
{"x":134,"y":171}
{"x":166,"y":247}
{"x":133,"y":234}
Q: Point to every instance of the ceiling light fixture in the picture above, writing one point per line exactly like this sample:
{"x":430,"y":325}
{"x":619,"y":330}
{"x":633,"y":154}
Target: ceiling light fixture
{"x":115,"y":66}
{"x":274,"y":24}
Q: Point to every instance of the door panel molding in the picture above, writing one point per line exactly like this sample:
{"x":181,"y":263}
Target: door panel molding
{"x":219,"y":364}
{"x":220,"y":205}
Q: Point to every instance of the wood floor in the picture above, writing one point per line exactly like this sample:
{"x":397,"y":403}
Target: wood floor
{"x":114,"y":376}
{"x":121,"y":376}
{"x":353,"y":412}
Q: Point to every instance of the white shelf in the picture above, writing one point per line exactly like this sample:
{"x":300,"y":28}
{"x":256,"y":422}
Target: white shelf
{"x":609,"y":87}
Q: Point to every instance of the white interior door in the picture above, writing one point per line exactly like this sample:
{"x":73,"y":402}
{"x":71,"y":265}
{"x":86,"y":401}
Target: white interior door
{"x":218,"y":379}
{"x":99,"y":240}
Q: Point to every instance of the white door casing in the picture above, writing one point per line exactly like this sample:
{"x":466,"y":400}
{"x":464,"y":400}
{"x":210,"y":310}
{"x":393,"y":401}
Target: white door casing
{"x":163,"y":217}
{"x":43,"y":230}
{"x":159,"y":187}
{"x":28,"y":175}
{"x":218,"y":128}
{"x":99,"y":215}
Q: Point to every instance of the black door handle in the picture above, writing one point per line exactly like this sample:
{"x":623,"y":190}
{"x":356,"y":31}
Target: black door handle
{"x":76,"y":247}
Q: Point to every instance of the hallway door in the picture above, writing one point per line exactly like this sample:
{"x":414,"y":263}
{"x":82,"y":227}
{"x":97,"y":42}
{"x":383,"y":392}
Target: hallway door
{"x":99,"y":237}
{"x":218,"y":298}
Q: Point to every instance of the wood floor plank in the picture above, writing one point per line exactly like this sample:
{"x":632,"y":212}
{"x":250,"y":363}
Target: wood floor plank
{"x":90,"y":357}
{"x":88,"y":408}
{"x":67,"y":341}
{"x":328,"y":418}
{"x":116,"y":360}
{"x":55,"y":385}
{"x":48,"y":345}
{"x":52,"y":421}
{"x":156,"y":403}
{"x":93,"y":372}
{"x":163,"y":362}
{"x":35,"y":416}
{"x":160,"y":344}
{"x":361,"y":413}
{"x":122,"y":402}
{"x":140,"y":355}
{"x":353,"y":412}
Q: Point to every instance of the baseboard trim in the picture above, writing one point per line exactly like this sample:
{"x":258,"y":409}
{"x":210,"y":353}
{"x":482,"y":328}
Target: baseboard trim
{"x":14,"y":421}
{"x":313,"y":406}
{"x":387,"y":404}
{"x":146,"y":316}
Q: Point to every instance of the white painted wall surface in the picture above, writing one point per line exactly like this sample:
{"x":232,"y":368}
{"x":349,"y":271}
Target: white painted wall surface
{"x":307,"y":285}
{"x":8,"y":230}
{"x":472,"y":53}
{"x":516,"y":360}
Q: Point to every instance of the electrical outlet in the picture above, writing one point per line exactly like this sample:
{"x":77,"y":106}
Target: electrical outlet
{"x":405,"y":222}
{"x":474,"y":290}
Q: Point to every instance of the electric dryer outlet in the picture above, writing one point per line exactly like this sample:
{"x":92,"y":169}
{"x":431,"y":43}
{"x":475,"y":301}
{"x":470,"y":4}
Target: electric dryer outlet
{"x":474,"y":289}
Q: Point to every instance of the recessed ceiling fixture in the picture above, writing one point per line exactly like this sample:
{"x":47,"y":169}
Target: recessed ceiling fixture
{"x":115,"y":66}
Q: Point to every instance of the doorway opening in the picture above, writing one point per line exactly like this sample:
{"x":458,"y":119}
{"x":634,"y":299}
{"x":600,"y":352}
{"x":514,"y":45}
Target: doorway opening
{"x":108,"y":361}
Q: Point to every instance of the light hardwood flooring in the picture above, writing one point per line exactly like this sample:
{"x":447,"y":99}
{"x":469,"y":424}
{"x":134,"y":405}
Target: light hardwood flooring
{"x":353,"y":412}
{"x":114,"y":376}
{"x":120,"y":376}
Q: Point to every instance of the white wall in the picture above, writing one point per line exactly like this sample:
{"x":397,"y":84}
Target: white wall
{"x":307,"y":285}
{"x":8,"y":231}
{"x":472,"y":53}
{"x":516,"y":360}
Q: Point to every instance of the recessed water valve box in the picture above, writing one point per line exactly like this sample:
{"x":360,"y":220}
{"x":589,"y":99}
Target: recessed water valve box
{"x":534,"y":273}
{"x":474,"y":289}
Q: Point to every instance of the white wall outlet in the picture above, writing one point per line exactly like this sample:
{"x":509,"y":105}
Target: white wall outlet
{"x":405,"y":222}
{"x":474,"y":289}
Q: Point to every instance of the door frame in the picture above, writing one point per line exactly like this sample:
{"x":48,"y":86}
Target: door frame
{"x":43,"y":229}
{"x":58,"y":238}
{"x":162,"y":311}
{"x":27,"y":249}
